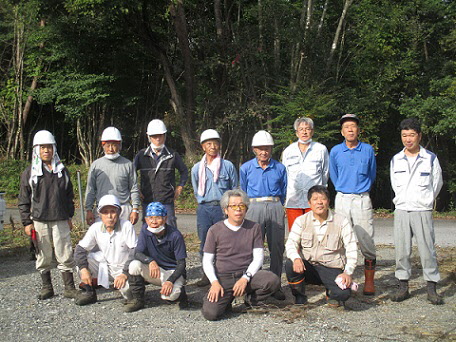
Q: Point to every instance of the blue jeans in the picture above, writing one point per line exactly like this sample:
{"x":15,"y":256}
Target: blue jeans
{"x":206,"y":216}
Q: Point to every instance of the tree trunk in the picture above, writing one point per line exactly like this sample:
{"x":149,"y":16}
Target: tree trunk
{"x":322,"y":18}
{"x":335,"y":43}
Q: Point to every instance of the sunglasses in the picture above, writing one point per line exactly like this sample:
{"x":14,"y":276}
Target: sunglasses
{"x":239,"y":207}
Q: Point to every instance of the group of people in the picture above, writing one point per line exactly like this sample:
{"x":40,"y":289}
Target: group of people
{"x":234,"y":217}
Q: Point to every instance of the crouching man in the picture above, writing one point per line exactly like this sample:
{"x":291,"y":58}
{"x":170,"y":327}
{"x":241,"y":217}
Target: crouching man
{"x":232,"y":259}
{"x":320,"y":248}
{"x":159,"y":260}
{"x":116,"y":240}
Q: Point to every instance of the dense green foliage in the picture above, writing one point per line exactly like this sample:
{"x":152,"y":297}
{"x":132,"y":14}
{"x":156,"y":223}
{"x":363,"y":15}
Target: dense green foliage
{"x":77,"y":66}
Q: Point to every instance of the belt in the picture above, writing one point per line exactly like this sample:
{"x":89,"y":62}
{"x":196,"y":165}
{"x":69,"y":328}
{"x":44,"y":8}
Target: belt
{"x":265,"y":199}
{"x":231,"y":275}
{"x":361,"y":194}
{"x":212,"y":203}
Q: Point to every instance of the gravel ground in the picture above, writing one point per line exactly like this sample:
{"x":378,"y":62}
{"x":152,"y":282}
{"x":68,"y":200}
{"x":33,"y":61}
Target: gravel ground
{"x":23,"y":317}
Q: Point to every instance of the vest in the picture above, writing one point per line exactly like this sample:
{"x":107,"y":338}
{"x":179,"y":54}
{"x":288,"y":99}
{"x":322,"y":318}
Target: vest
{"x":330,"y":251}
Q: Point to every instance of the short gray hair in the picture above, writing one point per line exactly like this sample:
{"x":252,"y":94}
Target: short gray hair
{"x":299,"y":121}
{"x":225,"y":200}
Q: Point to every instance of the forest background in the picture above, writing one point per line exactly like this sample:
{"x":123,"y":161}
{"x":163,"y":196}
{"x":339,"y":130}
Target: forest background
{"x":75,"y":67}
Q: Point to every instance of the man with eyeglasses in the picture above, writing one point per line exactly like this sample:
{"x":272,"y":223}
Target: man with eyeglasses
{"x":115,"y":175}
{"x":307,"y":164}
{"x":265,"y":181}
{"x":352,"y":168}
{"x":232,"y":259}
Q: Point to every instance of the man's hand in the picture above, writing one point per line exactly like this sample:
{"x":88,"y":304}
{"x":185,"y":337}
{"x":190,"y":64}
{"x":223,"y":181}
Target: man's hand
{"x":120,"y":280}
{"x":167,"y":288}
{"x":85,"y":276}
{"x":215,"y":292}
{"x":298,"y":266}
{"x":90,"y":219}
{"x":28,"y":229}
{"x":133,"y":218}
{"x":239,"y":287}
{"x":178,"y":191}
{"x":346,"y":279}
{"x":70,"y":224}
{"x":154,"y":270}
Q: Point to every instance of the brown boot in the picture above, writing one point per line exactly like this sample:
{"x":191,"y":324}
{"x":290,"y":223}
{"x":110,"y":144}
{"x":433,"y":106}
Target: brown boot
{"x":402,"y":293}
{"x":369,"y":272}
{"x":70,"y":291}
{"x":46,"y":289}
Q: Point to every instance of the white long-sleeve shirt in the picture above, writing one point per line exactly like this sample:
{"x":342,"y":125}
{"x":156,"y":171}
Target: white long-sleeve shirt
{"x":416,"y":185}
{"x":304,"y":170}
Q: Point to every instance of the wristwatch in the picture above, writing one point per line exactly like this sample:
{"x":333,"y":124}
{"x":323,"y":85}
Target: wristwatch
{"x":248,"y":275}
{"x":134,"y":210}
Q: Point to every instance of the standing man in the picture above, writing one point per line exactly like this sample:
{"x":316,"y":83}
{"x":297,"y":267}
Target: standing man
{"x":157,"y":164}
{"x":115,"y":240}
{"x":211,"y":177}
{"x":307,"y":164}
{"x":352,"y":168}
{"x":416,"y":178}
{"x":115,"y":175}
{"x":46,"y":207}
{"x":232,"y":260}
{"x":159,"y":259}
{"x":265,"y":181}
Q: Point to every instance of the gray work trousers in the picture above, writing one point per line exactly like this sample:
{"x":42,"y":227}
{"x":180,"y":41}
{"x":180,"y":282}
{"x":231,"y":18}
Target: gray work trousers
{"x":271,"y":217}
{"x":420,"y":225}
{"x":357,"y":208}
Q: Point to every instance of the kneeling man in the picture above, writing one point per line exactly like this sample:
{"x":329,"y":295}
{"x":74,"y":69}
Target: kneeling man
{"x":232,"y":259}
{"x":116,"y":240}
{"x":320,"y":248}
{"x":160,"y":260}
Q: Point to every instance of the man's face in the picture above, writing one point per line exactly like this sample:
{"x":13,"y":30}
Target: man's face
{"x":157,"y":139}
{"x":236,"y":210}
{"x":155,"y":221}
{"x":350,"y":131}
{"x":109,"y":216}
{"x":111,"y":147}
{"x":211,"y":147}
{"x":304,"y":131}
{"x":263,"y":153}
{"x":46,"y":152}
{"x":319,"y":204}
{"x":411,"y":139}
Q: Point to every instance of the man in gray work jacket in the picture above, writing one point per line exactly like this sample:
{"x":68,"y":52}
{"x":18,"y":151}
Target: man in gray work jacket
{"x":112,"y":174}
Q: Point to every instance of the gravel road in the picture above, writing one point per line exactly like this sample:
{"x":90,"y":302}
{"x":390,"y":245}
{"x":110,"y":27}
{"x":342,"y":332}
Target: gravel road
{"x":24,"y":318}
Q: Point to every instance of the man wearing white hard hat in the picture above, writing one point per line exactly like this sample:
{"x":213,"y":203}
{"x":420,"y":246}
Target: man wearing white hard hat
{"x":116,"y":240}
{"x":46,"y":207}
{"x":211,"y":178}
{"x":157,"y":164}
{"x":265,"y":181}
{"x":115,"y":175}
{"x":307,"y":164}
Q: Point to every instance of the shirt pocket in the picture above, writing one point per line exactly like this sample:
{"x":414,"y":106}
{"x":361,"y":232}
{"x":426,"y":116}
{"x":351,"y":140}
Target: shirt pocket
{"x":306,"y":240}
{"x":223,"y":182}
{"x":333,"y":243}
{"x":400,"y":177}
{"x":425,"y":177}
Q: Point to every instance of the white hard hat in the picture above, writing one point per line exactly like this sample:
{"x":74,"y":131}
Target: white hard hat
{"x":156,"y":126}
{"x":111,"y":134}
{"x":209,"y":134}
{"x":108,"y":200}
{"x":262,"y":138}
{"x":43,"y":138}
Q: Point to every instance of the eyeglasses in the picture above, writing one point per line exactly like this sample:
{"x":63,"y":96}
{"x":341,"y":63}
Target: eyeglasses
{"x":305,"y":129}
{"x":236,"y":207}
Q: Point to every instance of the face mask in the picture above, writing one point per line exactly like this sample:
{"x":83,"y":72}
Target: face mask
{"x":112,"y":156}
{"x":156,"y":230}
{"x":305,"y":142}
{"x":155,"y":147}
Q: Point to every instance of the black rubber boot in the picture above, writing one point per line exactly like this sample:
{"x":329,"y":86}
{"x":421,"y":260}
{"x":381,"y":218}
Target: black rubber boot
{"x":299,"y":292}
{"x":432,"y":295}
{"x":138,"y":290}
{"x":86,"y":296}
{"x":402,"y":293}
{"x":70,"y":291}
{"x":183,"y":299}
{"x":46,"y":289}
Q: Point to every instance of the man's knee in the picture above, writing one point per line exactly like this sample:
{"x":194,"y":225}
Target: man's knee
{"x":209,"y":312}
{"x":340,"y":295}
{"x":135,"y":268}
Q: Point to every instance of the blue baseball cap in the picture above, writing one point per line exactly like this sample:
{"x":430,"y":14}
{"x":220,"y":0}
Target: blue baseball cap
{"x":156,"y":209}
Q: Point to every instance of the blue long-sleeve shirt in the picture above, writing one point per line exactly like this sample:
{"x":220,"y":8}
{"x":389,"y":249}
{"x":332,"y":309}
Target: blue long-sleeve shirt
{"x":227,"y":180}
{"x":352,"y":171}
{"x":258,"y":182}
